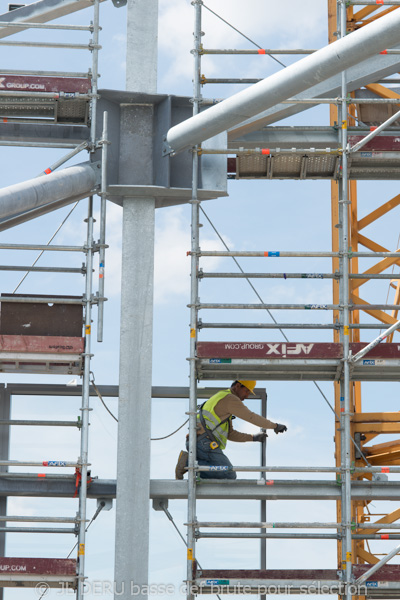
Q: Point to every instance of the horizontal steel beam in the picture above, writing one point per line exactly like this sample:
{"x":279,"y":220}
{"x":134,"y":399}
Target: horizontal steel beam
{"x":244,"y":489}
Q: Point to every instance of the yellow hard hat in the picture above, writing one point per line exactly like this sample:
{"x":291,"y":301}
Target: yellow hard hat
{"x":250,"y":385}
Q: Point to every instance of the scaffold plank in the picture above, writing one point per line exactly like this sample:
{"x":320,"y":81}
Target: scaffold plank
{"x":28,"y":572}
{"x":294,"y":361}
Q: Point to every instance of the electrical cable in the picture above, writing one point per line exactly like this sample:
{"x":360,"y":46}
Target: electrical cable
{"x":276,"y":323}
{"x":48,"y":243}
{"x":96,"y":389}
{"x":243,"y":35}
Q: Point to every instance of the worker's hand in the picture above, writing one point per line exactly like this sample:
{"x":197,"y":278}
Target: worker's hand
{"x":280,"y":428}
{"x":259,"y":437}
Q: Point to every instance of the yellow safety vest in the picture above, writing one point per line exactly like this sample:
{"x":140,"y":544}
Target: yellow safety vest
{"x":212,"y":420}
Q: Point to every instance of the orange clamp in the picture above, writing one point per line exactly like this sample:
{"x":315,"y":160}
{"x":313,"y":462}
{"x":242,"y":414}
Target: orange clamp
{"x":261,"y":51}
{"x":379,"y":1}
{"x":383,"y":52}
{"x":373,"y":127}
{"x":47,"y":171}
{"x":385,"y":470}
{"x":384,"y":536}
{"x":265,"y":151}
{"x":41,"y":474}
{"x":269,"y":482}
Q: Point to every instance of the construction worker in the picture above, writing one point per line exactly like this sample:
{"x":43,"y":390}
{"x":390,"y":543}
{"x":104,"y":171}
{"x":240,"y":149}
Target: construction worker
{"x":214,"y":428}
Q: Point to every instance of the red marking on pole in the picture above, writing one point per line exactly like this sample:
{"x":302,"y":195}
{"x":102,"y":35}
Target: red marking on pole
{"x":383,"y":52}
{"x":373,"y":128}
{"x":269,"y":482}
{"x":41,"y":474}
{"x":265,"y":253}
{"x":47,"y":171}
{"x":5,"y":120}
{"x":261,"y":51}
{"x":379,"y":1}
{"x":265,"y":151}
{"x":342,"y":410}
{"x":385,"y":470}
{"x":384,"y":536}
{"x":45,"y":463}
{"x":101,"y":276}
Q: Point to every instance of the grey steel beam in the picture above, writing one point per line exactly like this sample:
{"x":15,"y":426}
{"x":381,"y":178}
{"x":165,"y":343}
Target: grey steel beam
{"x":41,"y":12}
{"x":298,"y":77}
{"x":368,"y":71}
{"x":70,"y":183}
{"x":132,"y":527}
{"x":240,"y":489}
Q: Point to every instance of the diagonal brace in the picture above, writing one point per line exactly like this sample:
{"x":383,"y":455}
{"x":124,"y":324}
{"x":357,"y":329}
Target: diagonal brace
{"x":378,"y":565}
{"x":374,"y":133}
{"x":377,"y":341}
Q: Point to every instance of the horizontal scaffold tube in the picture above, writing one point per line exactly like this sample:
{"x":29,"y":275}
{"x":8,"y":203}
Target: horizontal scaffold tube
{"x":72,"y":182}
{"x":298,"y":77}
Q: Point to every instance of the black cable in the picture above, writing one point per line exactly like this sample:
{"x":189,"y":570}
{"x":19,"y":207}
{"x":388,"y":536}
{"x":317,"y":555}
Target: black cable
{"x":242,"y":34}
{"x":96,"y":389}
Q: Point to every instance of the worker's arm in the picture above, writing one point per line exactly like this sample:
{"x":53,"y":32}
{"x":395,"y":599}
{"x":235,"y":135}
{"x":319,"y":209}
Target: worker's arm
{"x":236,"y":407}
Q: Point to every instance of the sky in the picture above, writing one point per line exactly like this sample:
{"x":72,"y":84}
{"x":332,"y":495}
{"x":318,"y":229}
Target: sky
{"x":257,"y":215}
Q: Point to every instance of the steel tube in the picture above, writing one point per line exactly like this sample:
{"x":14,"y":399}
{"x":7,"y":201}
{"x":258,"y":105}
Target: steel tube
{"x":299,"y":254}
{"x":44,"y":26}
{"x":41,"y":300}
{"x":41,"y":247}
{"x":37,"y":530}
{"x":194,"y":293}
{"x":262,"y":52}
{"x":40,"y":269}
{"x":46,"y":73}
{"x":378,"y":565}
{"x":41,"y":423}
{"x":374,"y":343}
{"x":95,"y":71}
{"x":69,"y":182}
{"x":374,"y":133}
{"x":272,"y":306}
{"x":85,"y":407}
{"x":214,"y":275}
{"x":327,"y":62}
{"x":277,"y":536}
{"x":12,"y":518}
{"x":203,"y":325}
{"x":47,"y":45}
{"x":102,"y":239}
{"x":65,"y":158}
{"x":263,"y":525}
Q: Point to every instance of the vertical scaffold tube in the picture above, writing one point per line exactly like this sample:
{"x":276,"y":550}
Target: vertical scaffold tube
{"x":95,"y":72}
{"x":195,"y":247}
{"x":345,"y":415}
{"x":102,"y":240}
{"x":85,"y":405}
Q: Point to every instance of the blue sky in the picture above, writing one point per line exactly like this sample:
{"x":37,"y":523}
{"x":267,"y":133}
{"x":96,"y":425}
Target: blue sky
{"x":273,"y":215}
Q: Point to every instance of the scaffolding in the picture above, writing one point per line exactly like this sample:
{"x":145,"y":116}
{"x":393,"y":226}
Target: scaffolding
{"x":347,"y":361}
{"x":31,"y":104}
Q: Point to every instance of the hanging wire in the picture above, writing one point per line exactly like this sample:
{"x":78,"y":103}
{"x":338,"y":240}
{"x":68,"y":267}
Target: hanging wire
{"x":170,"y":517}
{"x":96,"y":389}
{"x":281,"y":330}
{"x":99,"y":509}
{"x":242,"y":34}
{"x":48,"y":243}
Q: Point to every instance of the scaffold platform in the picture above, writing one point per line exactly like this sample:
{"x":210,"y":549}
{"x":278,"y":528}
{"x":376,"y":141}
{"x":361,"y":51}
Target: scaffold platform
{"x":40,"y":337}
{"x":385,"y":583}
{"x":25,"y":98}
{"x":30,"y":572}
{"x":294,"y":361}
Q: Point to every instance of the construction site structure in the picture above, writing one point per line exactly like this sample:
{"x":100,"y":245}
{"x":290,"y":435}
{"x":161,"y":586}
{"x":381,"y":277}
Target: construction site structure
{"x":352,"y":149}
{"x":50,"y":334}
{"x":67,"y":110}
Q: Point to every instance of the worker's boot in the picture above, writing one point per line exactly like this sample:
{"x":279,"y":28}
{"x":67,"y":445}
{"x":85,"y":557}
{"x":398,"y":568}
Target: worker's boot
{"x":181,"y":465}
